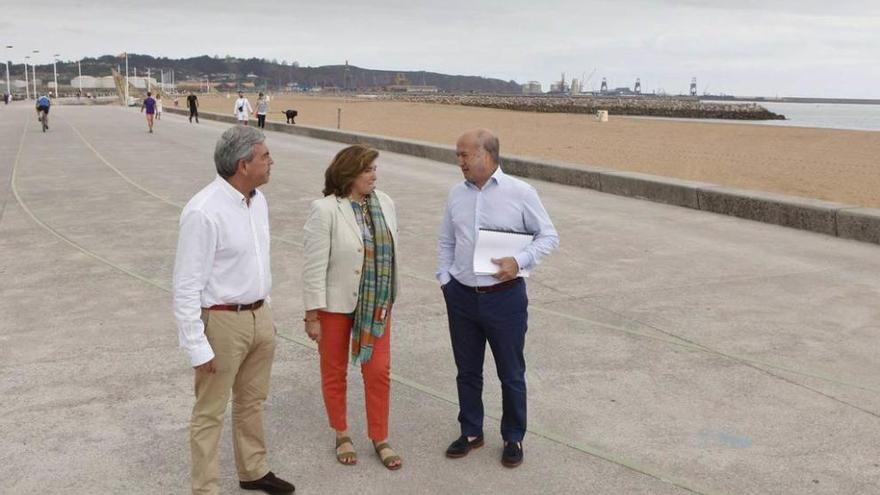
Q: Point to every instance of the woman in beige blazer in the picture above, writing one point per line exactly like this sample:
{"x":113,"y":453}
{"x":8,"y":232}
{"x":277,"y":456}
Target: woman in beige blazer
{"x":349,"y":287}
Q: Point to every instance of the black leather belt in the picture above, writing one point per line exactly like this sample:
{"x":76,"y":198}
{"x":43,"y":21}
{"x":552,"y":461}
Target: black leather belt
{"x":488,"y":289}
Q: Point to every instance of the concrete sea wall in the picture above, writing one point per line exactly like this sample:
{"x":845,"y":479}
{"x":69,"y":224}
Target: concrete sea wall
{"x":824,"y":217}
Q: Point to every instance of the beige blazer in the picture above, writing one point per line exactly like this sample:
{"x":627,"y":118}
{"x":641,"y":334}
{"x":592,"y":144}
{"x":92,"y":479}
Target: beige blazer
{"x":333,"y":250}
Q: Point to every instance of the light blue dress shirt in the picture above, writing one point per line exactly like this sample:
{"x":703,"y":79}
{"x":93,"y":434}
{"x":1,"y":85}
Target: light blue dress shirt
{"x":504,"y":203}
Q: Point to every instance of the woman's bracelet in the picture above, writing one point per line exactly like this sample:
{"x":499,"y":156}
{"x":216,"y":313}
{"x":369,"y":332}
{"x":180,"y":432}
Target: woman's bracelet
{"x":315,"y":319}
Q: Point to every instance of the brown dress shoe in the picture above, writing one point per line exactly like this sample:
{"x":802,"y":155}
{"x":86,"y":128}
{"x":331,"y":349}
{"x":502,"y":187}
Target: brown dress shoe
{"x":269,"y":484}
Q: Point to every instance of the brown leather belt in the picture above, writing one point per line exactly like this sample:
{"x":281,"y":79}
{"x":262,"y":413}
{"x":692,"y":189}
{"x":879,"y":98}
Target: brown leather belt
{"x":237,"y":307}
{"x":494,"y":288}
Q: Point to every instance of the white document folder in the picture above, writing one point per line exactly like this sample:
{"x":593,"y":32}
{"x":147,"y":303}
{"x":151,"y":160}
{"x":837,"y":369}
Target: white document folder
{"x":498,"y":244}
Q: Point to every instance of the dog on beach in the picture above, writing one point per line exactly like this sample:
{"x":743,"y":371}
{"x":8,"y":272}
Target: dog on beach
{"x":290,"y":114}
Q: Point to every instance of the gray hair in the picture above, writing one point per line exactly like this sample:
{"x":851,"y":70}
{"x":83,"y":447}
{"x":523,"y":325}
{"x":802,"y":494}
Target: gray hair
{"x":489,"y":142}
{"x":236,"y":144}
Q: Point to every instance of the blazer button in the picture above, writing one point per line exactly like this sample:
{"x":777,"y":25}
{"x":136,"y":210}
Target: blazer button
{"x":357,"y":272}
{"x":354,"y":294}
{"x":360,"y":249}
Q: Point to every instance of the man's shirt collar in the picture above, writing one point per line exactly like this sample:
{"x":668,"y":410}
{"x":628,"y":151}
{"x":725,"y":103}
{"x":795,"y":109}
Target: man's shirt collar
{"x":495,"y":178}
{"x":234,"y":193}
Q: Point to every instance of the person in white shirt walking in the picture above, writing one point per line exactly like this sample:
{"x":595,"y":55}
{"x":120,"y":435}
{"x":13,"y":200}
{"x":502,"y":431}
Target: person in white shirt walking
{"x":222,"y":281}
{"x":242,"y":109}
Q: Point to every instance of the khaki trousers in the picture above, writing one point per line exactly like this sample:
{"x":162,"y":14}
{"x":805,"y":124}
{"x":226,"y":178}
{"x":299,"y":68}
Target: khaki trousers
{"x":244,"y":346}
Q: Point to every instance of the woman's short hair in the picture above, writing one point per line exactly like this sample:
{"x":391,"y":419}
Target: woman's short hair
{"x":346,"y":166}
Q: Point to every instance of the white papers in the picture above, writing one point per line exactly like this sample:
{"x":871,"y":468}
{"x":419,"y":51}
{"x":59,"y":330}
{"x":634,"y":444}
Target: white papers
{"x":496,"y":244}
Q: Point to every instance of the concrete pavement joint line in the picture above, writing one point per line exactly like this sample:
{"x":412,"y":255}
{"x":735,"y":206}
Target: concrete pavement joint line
{"x":708,"y":283}
{"x":61,"y":236}
{"x":410,"y":383}
{"x":119,"y":172}
{"x":687,"y":344}
{"x":677,"y":340}
{"x":539,"y":432}
{"x":144,"y":189}
{"x":683,"y":342}
{"x":14,"y":162}
{"x":750,"y":364}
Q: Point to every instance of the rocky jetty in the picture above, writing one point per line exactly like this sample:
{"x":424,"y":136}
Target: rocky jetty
{"x":678,"y":107}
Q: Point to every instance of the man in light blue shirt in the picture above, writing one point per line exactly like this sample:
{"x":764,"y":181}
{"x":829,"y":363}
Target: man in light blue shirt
{"x":489,"y":308}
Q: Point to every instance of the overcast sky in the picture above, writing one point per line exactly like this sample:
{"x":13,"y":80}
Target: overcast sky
{"x":742,"y":47}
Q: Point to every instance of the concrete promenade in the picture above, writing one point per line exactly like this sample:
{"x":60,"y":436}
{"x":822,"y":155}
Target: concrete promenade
{"x":670,"y":350}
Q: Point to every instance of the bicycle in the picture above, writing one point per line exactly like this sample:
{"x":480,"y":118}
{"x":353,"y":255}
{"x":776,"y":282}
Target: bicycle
{"x":44,"y":119}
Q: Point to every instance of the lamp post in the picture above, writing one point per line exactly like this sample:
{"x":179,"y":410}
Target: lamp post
{"x":79,"y":68}
{"x":55,"y":72}
{"x":126,"y":78}
{"x":34,"y":67}
{"x":8,"y":86}
{"x":27,"y":90}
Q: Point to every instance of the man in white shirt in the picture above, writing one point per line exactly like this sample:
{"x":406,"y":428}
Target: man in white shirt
{"x":242,"y":109}
{"x":222,"y":281}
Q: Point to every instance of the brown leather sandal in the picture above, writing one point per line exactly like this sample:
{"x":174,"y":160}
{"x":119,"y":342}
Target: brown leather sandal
{"x":346,"y":458}
{"x":389,"y":461}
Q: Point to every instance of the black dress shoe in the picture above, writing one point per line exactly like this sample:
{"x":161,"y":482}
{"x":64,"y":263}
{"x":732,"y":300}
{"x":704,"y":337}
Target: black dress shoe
{"x":269,"y":484}
{"x":463,"y":446}
{"x":513,"y":454}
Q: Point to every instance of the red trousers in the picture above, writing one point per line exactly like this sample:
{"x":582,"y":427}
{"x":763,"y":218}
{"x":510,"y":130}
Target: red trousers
{"x":334,"y":348}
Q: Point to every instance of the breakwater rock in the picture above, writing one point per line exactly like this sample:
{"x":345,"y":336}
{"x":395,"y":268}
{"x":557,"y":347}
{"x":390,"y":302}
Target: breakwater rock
{"x":678,"y":107}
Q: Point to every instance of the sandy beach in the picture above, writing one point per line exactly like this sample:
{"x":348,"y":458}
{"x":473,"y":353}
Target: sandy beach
{"x":834,"y":165}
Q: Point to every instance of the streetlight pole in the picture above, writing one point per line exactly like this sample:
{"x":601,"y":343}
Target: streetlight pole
{"x":55,"y":71}
{"x":8,"y":86}
{"x":80,"y":69}
{"x":34,"y":67}
{"x":34,"y":72}
{"x":27,"y":90}
{"x":126,"y":78}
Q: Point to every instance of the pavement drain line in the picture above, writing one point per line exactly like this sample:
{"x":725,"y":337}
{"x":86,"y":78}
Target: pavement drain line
{"x":540,"y":432}
{"x":673,"y":339}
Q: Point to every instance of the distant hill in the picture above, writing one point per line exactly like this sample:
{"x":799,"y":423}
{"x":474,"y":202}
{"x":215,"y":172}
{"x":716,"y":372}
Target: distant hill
{"x":274,"y":75}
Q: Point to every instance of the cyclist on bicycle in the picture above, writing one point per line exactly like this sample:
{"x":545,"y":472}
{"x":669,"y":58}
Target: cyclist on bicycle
{"x":43,"y":104}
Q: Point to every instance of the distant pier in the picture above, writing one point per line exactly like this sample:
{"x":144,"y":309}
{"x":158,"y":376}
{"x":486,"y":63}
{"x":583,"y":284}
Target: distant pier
{"x":677,"y":107}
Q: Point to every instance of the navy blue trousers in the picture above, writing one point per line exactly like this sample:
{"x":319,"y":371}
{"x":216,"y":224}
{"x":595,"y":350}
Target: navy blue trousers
{"x":501,"y":319}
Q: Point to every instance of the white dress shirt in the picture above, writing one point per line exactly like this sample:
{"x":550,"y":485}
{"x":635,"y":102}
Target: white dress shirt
{"x":222,"y":258}
{"x":504,"y":203}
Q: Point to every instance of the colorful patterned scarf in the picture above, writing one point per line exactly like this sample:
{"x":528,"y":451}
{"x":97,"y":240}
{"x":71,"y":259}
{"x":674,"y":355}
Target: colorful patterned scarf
{"x":377,"y":280}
